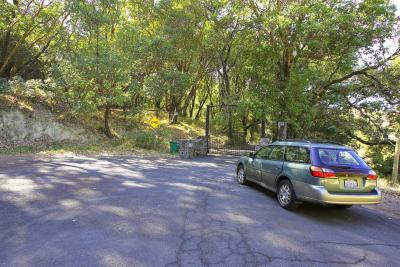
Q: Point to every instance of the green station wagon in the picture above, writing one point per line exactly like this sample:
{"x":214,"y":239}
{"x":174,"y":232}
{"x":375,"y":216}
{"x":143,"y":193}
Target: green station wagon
{"x":310,"y":171}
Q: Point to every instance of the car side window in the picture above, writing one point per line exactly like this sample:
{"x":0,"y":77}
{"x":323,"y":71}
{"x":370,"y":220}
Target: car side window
{"x":298,"y":154}
{"x":277,"y":153}
{"x":264,"y":152}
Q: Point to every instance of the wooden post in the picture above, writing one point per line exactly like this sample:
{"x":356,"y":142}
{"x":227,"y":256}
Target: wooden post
{"x":395,"y":174}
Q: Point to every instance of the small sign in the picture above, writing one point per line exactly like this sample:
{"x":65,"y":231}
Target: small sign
{"x":154,"y":122}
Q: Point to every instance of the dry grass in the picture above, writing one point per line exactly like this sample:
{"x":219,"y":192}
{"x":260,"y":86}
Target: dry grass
{"x":10,"y":101}
{"x":104,"y":147}
{"x":386,"y":186}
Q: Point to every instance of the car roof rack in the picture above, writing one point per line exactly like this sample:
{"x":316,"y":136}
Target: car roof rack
{"x":310,"y":141}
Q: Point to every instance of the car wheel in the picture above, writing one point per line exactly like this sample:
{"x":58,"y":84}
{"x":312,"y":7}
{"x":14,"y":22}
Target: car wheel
{"x":241,"y":175}
{"x":286,"y":195}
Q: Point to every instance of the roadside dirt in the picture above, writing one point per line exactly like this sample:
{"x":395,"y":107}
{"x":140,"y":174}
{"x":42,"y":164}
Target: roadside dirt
{"x":389,"y":207}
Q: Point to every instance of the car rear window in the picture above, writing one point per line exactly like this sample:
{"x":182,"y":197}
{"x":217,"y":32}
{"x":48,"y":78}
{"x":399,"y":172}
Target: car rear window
{"x":339,"y":157}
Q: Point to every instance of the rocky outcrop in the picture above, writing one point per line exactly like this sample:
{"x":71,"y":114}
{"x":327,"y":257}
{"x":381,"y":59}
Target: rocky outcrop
{"x":17,"y":127}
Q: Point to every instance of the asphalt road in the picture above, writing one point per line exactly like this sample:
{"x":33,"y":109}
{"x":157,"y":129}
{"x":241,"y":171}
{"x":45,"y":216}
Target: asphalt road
{"x":152,"y":211}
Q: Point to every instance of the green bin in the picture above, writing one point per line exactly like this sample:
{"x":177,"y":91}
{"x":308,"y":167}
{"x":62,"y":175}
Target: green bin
{"x":174,"y":147}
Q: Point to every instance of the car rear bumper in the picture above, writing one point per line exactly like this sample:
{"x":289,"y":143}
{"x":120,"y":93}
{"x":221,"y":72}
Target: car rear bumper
{"x":319,"y":194}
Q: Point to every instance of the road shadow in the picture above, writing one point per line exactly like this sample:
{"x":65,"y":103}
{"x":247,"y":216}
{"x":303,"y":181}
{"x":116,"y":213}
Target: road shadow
{"x":107,"y":211}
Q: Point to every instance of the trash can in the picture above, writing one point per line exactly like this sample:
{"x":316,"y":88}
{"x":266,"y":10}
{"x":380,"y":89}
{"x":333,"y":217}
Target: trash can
{"x":174,"y":147}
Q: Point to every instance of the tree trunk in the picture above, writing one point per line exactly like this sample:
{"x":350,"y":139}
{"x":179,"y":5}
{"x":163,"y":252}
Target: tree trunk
{"x":203,"y":101}
{"x":107,"y":127}
{"x":192,"y":105}
{"x":244,"y":124}
{"x":158,"y":104}
{"x":200,"y":109}
{"x":173,"y":117}
{"x":188,"y":100}
{"x":395,"y":174}
{"x":253,"y":130}
{"x":124,"y":111}
{"x":230,"y":126}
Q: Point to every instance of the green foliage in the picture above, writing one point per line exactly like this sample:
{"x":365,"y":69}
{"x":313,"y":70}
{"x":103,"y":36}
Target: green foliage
{"x":28,"y":29}
{"x":382,"y":159}
{"x":154,"y":139}
{"x":3,"y":85}
{"x":322,"y":66}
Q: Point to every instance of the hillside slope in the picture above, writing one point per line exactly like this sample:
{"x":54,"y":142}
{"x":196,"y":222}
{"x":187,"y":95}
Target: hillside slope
{"x":28,"y":125}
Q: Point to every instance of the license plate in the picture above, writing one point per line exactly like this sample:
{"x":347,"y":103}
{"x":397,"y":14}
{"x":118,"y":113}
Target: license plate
{"x":351,"y":184}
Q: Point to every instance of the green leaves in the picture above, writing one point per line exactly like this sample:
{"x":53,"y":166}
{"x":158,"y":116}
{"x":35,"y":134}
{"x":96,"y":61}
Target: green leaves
{"x":311,"y":63}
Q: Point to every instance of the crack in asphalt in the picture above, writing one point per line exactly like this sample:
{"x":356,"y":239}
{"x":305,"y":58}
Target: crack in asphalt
{"x":204,"y":232}
{"x":208,"y":241}
{"x":353,"y":244}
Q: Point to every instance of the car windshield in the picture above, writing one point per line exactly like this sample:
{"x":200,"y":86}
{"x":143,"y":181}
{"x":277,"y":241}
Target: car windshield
{"x":339,"y":158}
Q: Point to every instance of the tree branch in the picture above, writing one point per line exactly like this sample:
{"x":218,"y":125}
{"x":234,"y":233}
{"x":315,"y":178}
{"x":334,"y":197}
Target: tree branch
{"x":361,"y":71}
{"x":370,"y":143}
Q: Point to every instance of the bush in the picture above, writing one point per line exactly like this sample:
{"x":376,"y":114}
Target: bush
{"x":154,"y":139}
{"x":382,"y":159}
{"x":31,"y":89}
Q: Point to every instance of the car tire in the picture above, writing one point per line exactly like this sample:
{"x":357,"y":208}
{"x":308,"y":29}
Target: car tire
{"x":343,"y":207}
{"x":286,"y":195}
{"x":241,"y":175}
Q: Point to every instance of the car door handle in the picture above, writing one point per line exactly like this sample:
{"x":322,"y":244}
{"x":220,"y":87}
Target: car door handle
{"x":277,"y":168}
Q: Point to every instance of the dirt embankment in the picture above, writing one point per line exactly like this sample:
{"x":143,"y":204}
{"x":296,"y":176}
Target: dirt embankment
{"x":29,"y":125}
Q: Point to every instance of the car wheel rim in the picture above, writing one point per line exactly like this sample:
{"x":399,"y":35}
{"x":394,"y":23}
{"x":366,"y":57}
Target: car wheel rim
{"x":240,"y":175}
{"x":284,"y":195}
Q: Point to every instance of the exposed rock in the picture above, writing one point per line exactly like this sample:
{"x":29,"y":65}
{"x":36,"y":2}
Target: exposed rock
{"x":17,"y":128}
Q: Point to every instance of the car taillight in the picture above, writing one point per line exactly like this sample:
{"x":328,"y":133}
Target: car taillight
{"x":372,"y":175}
{"x":322,"y":172}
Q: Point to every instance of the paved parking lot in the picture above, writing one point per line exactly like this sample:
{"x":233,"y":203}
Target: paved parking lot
{"x":155,"y":211}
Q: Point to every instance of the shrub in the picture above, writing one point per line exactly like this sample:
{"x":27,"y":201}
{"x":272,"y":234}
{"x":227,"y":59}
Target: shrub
{"x":157,"y":139}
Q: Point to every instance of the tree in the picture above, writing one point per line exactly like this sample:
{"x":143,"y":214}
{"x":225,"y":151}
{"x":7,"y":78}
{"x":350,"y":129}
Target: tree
{"x":312,"y":49}
{"x":94,"y":68}
{"x":28,"y":30}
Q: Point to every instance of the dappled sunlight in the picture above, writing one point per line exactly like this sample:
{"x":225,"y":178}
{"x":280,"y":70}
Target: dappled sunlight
{"x":240,"y":218}
{"x":284,"y":241}
{"x":339,"y":251}
{"x":119,"y":211}
{"x":136,"y":184}
{"x":155,"y":227}
{"x":86,"y":192}
{"x":19,"y":185}
{"x":112,"y":258}
{"x":70,"y":203}
{"x":122,"y":210}
{"x":89,"y":179}
{"x":22,"y":191}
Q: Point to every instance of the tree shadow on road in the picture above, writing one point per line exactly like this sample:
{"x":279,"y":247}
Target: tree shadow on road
{"x":107,"y":211}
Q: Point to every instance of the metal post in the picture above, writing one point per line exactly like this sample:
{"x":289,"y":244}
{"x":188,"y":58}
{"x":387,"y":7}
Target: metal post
{"x":263,"y":129}
{"x":282,"y":130}
{"x":395,"y":174}
{"x":207,"y":133}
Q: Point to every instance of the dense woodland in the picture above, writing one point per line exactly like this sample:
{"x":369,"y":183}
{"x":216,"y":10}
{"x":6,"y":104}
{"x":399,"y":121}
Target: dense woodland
{"x":329,"y":68}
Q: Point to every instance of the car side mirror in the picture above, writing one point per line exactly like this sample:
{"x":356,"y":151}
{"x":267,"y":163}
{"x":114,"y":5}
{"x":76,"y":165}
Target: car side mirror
{"x":251,"y":155}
